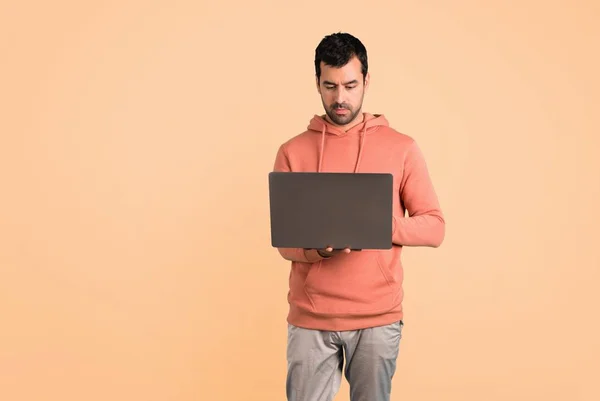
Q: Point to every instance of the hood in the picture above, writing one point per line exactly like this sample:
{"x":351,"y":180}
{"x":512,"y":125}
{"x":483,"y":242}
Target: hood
{"x":370,"y":123}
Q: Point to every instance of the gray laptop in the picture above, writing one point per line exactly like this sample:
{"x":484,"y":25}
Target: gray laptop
{"x":317,"y":210}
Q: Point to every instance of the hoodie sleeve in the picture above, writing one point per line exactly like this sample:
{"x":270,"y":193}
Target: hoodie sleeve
{"x":293,"y":254}
{"x":425,"y":224}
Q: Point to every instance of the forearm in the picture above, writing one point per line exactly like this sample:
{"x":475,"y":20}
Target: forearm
{"x":300,"y":255}
{"x":422,"y":230}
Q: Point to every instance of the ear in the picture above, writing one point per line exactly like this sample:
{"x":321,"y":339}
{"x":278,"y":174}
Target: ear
{"x":367,"y":80}
{"x":317,"y":83}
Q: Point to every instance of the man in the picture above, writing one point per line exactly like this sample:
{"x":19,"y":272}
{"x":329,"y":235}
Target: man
{"x":342,"y":301}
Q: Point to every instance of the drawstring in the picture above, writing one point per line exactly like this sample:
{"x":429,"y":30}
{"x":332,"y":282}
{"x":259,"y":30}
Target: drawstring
{"x":322,"y":147}
{"x":361,"y":145}
{"x":363,"y":134}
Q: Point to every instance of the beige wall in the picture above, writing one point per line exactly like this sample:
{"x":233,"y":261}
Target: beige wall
{"x":135,"y":261}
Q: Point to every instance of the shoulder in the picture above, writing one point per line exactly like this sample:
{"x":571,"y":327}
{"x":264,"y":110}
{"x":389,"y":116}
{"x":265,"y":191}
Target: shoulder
{"x":298,"y":142}
{"x":396,"y":139}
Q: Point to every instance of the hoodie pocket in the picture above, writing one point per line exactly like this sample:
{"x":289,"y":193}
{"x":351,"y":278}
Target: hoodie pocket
{"x":391,"y":265}
{"x":356,"y":283}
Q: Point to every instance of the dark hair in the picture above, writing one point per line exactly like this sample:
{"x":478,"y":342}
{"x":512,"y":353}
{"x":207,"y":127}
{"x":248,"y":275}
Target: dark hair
{"x":337,"y":49}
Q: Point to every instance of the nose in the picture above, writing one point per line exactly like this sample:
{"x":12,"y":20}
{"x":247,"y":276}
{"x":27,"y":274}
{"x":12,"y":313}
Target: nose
{"x":339,"y":95}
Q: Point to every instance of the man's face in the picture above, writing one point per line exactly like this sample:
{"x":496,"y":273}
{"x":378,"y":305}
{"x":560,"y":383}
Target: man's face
{"x":342,"y":91}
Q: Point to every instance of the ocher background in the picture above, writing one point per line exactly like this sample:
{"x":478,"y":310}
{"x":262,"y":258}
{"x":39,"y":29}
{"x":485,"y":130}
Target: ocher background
{"x":136,"y":138}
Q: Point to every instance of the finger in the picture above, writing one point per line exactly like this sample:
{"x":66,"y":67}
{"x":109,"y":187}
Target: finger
{"x":347,"y":250}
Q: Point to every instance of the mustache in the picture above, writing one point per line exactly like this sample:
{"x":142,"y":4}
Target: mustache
{"x":340,"y":106}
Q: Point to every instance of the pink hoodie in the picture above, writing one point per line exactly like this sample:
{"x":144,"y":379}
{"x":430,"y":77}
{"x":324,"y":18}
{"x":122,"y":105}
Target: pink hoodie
{"x":360,"y":289}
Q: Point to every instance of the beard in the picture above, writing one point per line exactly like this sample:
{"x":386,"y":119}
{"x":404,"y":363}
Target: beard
{"x":341,"y":119}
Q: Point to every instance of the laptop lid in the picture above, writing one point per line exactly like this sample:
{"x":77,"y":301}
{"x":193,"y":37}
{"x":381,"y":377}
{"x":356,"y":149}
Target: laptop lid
{"x":317,"y":210}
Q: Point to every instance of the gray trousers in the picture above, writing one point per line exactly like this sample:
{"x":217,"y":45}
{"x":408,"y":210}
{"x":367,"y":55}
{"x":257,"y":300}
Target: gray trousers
{"x":315,"y":359}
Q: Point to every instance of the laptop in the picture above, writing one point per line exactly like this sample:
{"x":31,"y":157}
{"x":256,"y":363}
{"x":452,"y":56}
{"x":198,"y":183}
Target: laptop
{"x":316,"y":210}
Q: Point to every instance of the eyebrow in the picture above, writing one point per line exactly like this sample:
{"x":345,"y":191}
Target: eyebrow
{"x":345,"y":83}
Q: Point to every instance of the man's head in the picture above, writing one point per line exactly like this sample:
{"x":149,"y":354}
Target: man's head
{"x":342,"y":77}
